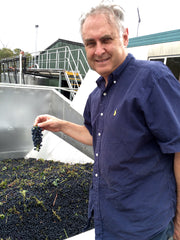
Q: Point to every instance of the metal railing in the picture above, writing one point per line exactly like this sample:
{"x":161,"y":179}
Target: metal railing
{"x":69,"y":63}
{"x":60,"y":58}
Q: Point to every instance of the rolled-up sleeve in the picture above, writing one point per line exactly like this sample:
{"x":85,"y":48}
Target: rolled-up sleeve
{"x":162,"y":111}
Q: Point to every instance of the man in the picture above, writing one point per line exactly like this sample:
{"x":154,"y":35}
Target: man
{"x":132,"y":119}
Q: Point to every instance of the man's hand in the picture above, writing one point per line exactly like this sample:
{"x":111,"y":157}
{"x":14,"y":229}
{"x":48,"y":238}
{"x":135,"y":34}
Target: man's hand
{"x":177,"y":176}
{"x":48,"y":122}
{"x":176,"y":228}
{"x":53,"y":124}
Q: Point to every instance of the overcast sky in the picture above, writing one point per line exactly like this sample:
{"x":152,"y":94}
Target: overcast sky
{"x":60,"y":19}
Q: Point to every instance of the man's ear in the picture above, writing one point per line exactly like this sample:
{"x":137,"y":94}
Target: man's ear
{"x":126,"y":37}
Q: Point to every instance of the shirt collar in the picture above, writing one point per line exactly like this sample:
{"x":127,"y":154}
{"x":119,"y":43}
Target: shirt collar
{"x":115,"y":74}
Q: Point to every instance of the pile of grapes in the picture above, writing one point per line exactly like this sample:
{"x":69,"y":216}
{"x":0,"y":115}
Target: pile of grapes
{"x":43,"y":200}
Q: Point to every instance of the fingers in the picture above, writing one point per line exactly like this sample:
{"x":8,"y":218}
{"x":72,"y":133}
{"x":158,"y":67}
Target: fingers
{"x":40,"y":119}
{"x":47,"y":122}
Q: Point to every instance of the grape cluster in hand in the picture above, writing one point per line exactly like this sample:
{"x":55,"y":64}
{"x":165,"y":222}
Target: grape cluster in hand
{"x":37,"y":137}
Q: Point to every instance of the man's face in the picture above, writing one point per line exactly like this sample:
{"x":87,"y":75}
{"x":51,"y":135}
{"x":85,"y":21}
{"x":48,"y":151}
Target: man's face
{"x":105,"y":49}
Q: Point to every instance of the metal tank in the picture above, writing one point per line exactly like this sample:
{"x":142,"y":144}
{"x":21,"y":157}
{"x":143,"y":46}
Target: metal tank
{"x":19,"y":106}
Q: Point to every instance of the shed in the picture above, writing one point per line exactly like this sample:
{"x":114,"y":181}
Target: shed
{"x":67,"y":52}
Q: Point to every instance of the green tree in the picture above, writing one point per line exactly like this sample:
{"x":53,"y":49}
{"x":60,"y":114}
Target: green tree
{"x":5,"y":53}
{"x":17,"y":51}
{"x":8,"y":53}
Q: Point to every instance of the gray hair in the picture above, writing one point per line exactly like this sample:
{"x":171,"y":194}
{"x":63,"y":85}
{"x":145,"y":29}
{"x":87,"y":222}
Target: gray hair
{"x":116,"y":11}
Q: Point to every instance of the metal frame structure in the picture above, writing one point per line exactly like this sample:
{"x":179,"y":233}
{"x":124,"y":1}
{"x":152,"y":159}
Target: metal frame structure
{"x":63,"y":63}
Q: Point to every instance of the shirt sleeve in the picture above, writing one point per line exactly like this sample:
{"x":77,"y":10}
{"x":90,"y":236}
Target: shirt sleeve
{"x":162,"y":110}
{"x":87,"y":116}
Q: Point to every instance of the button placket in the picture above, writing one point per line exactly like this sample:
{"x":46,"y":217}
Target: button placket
{"x":100,"y":124}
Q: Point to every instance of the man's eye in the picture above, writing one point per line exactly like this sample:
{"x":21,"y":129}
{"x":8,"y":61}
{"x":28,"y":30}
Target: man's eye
{"x":90,"y":44}
{"x":107,"y":40}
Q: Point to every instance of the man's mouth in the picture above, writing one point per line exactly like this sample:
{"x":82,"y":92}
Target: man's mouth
{"x":102,"y":60}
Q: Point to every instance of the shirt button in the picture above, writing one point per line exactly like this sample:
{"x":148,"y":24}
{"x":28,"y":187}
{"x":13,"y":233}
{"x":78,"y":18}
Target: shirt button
{"x":114,"y":82}
{"x":104,"y":94}
{"x":96,"y":154}
{"x":101,"y":114}
{"x":96,"y":175}
{"x":99,"y":134}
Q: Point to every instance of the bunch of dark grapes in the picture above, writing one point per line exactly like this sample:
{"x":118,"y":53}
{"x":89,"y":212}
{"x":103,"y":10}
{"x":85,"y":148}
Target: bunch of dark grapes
{"x":37,"y":137}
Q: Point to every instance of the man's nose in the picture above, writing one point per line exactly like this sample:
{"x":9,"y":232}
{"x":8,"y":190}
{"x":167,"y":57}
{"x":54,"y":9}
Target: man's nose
{"x":99,"y":49}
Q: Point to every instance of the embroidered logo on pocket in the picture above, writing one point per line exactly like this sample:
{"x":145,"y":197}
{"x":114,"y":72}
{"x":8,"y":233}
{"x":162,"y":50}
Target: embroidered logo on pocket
{"x":115,"y":112}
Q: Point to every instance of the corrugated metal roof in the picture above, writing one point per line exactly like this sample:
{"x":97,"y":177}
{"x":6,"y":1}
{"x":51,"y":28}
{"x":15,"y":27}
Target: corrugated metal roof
{"x":163,"y":37}
{"x":67,"y":42}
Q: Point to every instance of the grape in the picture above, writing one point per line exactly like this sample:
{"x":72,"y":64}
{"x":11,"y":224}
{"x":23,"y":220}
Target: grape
{"x":37,"y":137}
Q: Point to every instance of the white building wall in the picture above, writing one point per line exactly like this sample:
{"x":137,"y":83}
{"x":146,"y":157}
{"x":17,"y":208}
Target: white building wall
{"x":155,"y":50}
{"x":140,"y":53}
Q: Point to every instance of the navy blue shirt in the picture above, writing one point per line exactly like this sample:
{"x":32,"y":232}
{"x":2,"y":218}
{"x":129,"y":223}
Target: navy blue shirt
{"x":135,"y":124}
